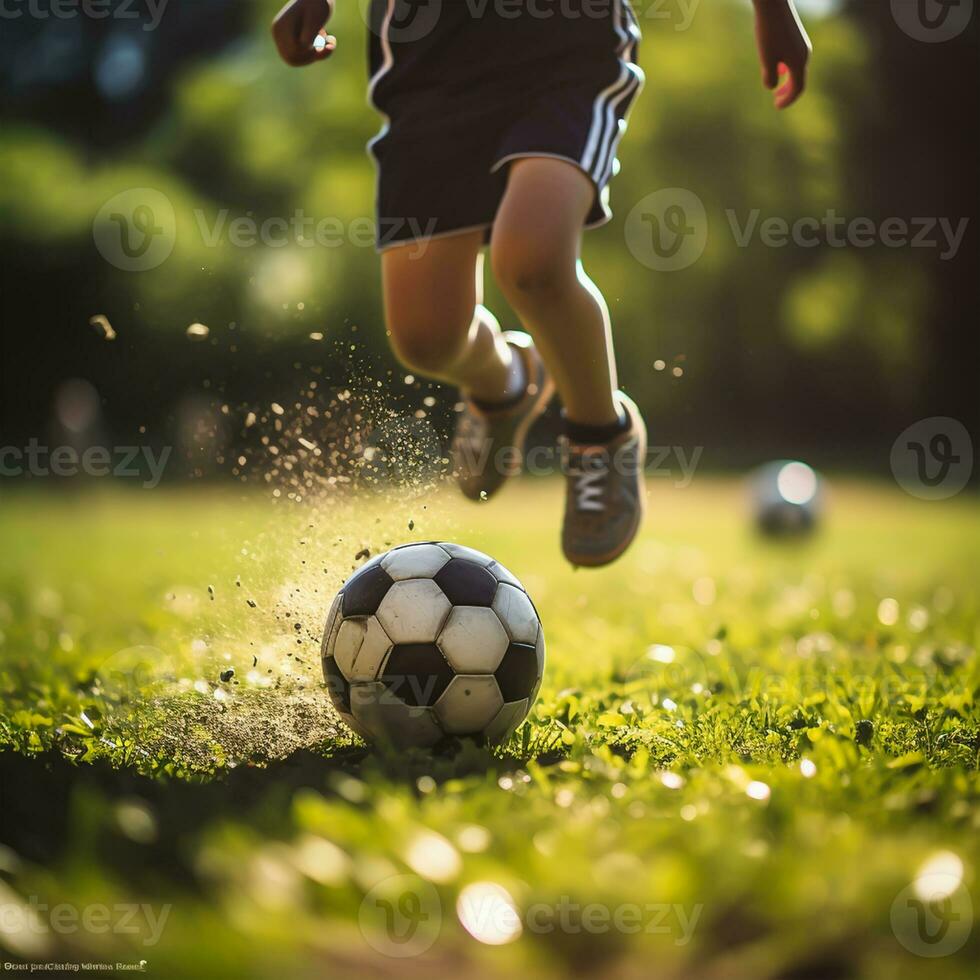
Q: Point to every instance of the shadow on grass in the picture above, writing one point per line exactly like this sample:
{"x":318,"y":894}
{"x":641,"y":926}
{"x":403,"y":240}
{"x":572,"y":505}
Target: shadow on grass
{"x":54,"y":808}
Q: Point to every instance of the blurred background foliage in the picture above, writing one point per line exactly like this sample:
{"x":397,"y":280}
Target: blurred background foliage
{"x":765,"y":351}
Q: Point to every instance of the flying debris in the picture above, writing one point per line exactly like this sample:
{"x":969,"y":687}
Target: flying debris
{"x":101,"y":323}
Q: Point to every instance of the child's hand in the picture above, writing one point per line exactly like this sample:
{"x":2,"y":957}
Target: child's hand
{"x":296,"y":28}
{"x":783,"y":45}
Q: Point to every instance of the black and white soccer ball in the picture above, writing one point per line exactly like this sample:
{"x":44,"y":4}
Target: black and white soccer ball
{"x":429,"y":640}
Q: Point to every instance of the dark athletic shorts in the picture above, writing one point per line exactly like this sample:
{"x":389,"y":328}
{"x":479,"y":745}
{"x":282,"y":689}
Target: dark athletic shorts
{"x":467,"y":86}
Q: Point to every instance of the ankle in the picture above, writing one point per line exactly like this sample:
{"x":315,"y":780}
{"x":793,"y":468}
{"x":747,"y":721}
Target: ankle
{"x":596,"y":434}
{"x":512,"y":391}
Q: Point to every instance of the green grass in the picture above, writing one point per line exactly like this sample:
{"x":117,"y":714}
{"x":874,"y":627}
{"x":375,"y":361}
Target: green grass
{"x":660,"y":785}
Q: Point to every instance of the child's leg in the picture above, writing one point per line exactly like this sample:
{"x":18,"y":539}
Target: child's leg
{"x":535,"y":256}
{"x":436,"y":323}
{"x":535,"y":251}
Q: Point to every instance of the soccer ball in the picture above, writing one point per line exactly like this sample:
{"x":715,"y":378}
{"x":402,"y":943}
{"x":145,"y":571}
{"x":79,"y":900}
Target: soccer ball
{"x":786,"y":498}
{"x":429,"y":640}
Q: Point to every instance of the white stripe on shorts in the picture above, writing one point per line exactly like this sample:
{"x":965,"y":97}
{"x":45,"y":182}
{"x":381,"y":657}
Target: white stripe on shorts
{"x":593,"y":160}
{"x":614,"y":130}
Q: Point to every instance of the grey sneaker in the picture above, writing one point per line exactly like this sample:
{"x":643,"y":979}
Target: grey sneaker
{"x":606,"y":493}
{"x":479,"y":464}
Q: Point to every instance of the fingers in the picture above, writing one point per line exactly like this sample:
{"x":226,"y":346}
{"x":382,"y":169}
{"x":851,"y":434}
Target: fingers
{"x":794,"y":85}
{"x":311,"y":28}
{"x":324,"y":45}
{"x":295,"y":39}
{"x":296,"y":52}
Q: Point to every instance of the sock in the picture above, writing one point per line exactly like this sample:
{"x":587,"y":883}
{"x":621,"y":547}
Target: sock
{"x":597,"y":435}
{"x":515,"y":389}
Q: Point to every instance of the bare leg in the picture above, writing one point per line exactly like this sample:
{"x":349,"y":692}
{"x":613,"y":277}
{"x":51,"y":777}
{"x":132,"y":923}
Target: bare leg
{"x":535,"y":256}
{"x":435,"y":321}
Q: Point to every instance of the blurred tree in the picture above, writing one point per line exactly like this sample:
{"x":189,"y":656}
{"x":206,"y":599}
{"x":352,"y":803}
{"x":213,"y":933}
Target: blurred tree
{"x":922,"y":130}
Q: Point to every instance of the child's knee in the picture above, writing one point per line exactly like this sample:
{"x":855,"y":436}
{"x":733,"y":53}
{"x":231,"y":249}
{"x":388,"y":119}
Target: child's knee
{"x":529,"y":271}
{"x":429,"y":345}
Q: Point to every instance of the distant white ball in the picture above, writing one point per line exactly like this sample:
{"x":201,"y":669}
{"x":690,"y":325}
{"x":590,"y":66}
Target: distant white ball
{"x":429,"y":640}
{"x":786,"y":498}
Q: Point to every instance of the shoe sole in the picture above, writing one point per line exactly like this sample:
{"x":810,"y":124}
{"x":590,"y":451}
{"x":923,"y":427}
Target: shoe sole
{"x":538,"y":408}
{"x":600,"y":561}
{"x":535,"y":412}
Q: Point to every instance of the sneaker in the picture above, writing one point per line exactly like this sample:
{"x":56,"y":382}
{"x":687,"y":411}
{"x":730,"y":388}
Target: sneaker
{"x":478,"y":463}
{"x":606,"y":493}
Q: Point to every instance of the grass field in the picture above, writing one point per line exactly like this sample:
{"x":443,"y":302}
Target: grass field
{"x":747,"y":760}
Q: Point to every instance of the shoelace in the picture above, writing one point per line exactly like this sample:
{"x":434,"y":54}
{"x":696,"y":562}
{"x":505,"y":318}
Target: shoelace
{"x":588,"y":491}
{"x":589,"y":487}
{"x":589,"y":473}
